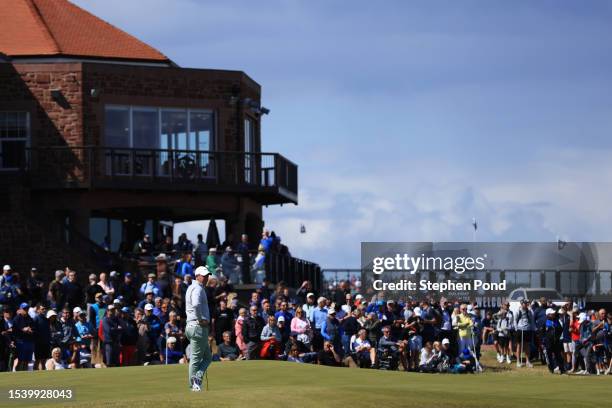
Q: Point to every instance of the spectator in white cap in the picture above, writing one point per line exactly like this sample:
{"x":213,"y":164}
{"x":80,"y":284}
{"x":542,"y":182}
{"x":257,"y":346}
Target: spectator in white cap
{"x":552,"y":341}
{"x":156,"y":333}
{"x":76,"y":311}
{"x":172,"y":354}
{"x":446,"y":350}
{"x":212,"y":261}
{"x":6,"y":272}
{"x":330,"y":330}
{"x":197,"y":328}
{"x":319,"y":316}
{"x":309,"y":306}
{"x":305,"y":290}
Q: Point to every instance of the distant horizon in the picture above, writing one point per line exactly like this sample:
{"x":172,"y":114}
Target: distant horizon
{"x":408,"y":120}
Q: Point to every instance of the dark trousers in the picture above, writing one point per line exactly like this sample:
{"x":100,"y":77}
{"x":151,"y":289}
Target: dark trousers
{"x":245,"y":268}
{"x":252,"y":350}
{"x":111,"y":354}
{"x":554,"y":357}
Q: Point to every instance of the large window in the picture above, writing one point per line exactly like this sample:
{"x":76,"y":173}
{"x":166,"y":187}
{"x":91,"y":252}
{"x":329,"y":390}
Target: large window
{"x":172,"y":140}
{"x":159,"y":128}
{"x":14,"y":138}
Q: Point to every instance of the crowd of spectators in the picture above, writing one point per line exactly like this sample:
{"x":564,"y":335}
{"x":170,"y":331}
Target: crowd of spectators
{"x":120,"y":319}
{"x":241,"y":262}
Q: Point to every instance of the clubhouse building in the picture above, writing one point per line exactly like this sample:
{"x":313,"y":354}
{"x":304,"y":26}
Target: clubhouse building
{"x":101,"y":135}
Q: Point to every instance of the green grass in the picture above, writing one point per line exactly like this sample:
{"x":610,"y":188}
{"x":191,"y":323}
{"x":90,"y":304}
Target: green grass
{"x":271,"y":384}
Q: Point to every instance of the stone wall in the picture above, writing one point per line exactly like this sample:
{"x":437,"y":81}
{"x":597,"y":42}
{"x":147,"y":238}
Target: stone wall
{"x":169,"y":87}
{"x":56,"y":122}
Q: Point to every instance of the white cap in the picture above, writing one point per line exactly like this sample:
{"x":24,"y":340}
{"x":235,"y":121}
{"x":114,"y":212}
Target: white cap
{"x":281,"y":319}
{"x":582,"y":317}
{"x":310,"y":294}
{"x":550,"y":310}
{"x":116,"y":301}
{"x":171,"y":340}
{"x":331,"y":312}
{"x":202,"y":270}
{"x":321,"y":299}
{"x":148,"y":306}
{"x":6,"y":268}
{"x":111,"y":307}
{"x":358,"y":297}
{"x":77,"y":310}
{"x":113,"y":273}
{"x":445,"y":341}
{"x":51,"y":313}
{"x":417,"y":311}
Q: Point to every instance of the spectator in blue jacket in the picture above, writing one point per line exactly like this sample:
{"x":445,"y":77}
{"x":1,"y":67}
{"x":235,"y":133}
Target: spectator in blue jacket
{"x":155,"y":326}
{"x":331,"y":330}
{"x":42,"y":340}
{"x":150,"y":285}
{"x":112,"y":330}
{"x":23,"y":331}
{"x":185,"y":267}
{"x":172,"y":355}
{"x":286,"y":315}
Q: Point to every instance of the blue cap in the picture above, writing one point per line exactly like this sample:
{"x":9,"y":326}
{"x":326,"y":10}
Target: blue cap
{"x":24,"y":306}
{"x":125,"y":309}
{"x":127,"y":275}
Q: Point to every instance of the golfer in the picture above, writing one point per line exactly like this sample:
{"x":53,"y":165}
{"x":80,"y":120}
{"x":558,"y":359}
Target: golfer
{"x":198,"y":320}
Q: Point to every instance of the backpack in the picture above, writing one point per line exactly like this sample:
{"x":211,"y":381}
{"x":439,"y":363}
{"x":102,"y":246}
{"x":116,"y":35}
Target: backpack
{"x":521,"y":313}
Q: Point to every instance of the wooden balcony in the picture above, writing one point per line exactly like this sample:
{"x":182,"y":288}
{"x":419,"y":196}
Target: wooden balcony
{"x":269,"y":177}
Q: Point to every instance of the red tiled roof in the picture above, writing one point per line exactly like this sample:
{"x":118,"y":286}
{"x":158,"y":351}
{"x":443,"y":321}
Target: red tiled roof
{"x":60,"y":28}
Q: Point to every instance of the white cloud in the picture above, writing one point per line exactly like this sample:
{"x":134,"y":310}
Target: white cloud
{"x":538,"y":201}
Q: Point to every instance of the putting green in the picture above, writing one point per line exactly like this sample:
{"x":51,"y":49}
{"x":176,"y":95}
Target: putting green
{"x":271,"y":384}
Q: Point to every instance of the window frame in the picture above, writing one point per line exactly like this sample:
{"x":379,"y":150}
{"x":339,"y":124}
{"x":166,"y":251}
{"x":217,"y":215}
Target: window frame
{"x":27,"y":138}
{"x":171,"y":147}
{"x":159,"y":110}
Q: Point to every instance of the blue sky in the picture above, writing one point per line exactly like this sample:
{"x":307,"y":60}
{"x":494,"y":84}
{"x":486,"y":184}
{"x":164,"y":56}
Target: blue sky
{"x":408,"y":118}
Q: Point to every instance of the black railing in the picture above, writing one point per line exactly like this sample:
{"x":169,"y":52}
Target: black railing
{"x":293,"y":271}
{"x":93,"y":166}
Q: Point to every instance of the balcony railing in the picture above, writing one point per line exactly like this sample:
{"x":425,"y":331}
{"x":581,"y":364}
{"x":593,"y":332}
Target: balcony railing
{"x":105,"y":167}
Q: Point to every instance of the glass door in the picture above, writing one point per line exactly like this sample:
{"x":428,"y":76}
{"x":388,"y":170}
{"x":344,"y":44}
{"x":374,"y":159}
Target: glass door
{"x":200,"y":138}
{"x":174,"y":131}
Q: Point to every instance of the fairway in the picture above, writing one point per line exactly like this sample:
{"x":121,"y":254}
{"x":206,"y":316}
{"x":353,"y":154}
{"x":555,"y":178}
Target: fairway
{"x":272,"y":383}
